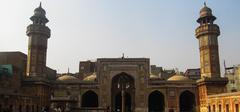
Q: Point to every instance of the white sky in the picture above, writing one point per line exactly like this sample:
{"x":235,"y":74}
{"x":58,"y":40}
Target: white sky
{"x":88,"y":29}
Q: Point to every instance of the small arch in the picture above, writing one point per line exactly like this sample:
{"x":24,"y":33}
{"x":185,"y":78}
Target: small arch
{"x":156,"y":102}
{"x":187,"y":102}
{"x":90,"y":99}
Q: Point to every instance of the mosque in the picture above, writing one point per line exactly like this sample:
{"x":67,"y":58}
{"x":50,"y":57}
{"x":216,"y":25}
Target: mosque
{"x":113,"y":84}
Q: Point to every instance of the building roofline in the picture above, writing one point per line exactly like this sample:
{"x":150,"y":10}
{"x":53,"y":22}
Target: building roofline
{"x":225,"y":94}
{"x":12,"y":52}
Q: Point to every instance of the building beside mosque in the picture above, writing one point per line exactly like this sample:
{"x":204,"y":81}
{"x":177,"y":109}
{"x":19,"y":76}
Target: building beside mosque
{"x":113,"y":84}
{"x":233,"y":75}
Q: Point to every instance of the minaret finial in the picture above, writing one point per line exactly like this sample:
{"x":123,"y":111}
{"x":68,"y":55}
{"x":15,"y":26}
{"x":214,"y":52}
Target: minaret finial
{"x":205,"y":4}
{"x":40,"y":5}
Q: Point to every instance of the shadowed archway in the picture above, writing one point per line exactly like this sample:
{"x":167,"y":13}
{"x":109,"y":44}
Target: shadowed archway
{"x":187,"y":102}
{"x":156,"y":102}
{"x":89,"y":99}
{"x":123,"y":84}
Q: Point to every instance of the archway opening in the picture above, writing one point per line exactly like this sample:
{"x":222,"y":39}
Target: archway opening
{"x":123,"y":84}
{"x":187,"y":102}
{"x":118,"y":102}
{"x":156,"y":102}
{"x":89,"y":99}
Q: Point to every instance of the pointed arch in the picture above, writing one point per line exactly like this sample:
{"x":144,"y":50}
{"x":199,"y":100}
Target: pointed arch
{"x":123,"y":82}
{"x":187,"y":101}
{"x":156,"y":102}
{"x":90,"y":99}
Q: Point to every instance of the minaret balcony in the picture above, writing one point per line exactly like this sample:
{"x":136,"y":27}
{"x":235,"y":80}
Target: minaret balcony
{"x":207,"y":29}
{"x":38,"y":29}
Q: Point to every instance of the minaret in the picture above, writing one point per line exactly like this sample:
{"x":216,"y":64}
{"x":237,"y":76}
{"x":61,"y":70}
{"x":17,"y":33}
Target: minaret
{"x":38,"y":34}
{"x":36,"y":83}
{"x":211,"y":81}
{"x":207,"y":34}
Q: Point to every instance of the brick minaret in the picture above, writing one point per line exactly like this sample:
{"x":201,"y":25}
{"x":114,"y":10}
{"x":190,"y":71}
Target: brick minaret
{"x":38,"y":34}
{"x":211,"y":81}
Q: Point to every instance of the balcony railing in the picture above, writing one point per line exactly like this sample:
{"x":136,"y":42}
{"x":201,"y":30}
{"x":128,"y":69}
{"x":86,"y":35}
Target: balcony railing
{"x":207,"y":28}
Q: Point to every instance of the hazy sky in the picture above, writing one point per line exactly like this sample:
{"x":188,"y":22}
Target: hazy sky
{"x":162,"y":30}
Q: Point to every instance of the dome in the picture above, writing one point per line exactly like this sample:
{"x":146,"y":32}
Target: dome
{"x":178,"y":77}
{"x":39,"y":11}
{"x":205,"y":11}
{"x":67,"y":78}
{"x":152,"y":76}
{"x":91,"y":77}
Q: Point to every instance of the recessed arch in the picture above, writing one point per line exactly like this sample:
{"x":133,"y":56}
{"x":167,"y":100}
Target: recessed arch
{"x":123,"y":82}
{"x":124,"y":76}
{"x":90,"y":99}
{"x":156,"y":102}
{"x":187,"y":101}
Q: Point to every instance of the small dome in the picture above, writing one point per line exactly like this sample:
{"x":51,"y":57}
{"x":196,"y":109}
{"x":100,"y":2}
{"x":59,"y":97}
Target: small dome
{"x":152,"y":76}
{"x":91,"y":77}
{"x":39,"y":11}
{"x":205,"y":11}
{"x":178,"y":77}
{"x":67,"y":78}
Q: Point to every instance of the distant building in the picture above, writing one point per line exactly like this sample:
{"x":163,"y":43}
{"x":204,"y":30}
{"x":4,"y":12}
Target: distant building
{"x":159,"y":72}
{"x":17,"y":61}
{"x":193,"y":73}
{"x":11,"y":92}
{"x":233,"y":75}
{"x":86,"y":68}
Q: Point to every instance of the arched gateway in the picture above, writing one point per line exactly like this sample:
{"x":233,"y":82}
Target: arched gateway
{"x":123,"y":93}
{"x":187,"y":102}
{"x":156,"y":102}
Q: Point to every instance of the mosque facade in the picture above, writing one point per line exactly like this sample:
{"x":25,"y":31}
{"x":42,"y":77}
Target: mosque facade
{"x":113,"y":84}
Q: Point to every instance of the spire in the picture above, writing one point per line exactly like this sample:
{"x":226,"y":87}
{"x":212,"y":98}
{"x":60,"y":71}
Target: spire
{"x":39,"y":15}
{"x":205,"y":5}
{"x":40,"y":5}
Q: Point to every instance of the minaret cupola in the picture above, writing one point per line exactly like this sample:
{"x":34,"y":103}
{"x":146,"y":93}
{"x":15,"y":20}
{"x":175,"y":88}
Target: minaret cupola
{"x":39,"y":16}
{"x":206,"y":16}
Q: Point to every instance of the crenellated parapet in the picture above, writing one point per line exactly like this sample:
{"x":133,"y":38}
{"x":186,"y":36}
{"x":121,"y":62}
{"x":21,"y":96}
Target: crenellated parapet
{"x":207,"y":29}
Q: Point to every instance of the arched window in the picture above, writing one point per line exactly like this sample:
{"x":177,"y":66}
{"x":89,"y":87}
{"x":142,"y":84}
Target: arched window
{"x":90,"y":99}
{"x":187,"y":102}
{"x":156,"y":102}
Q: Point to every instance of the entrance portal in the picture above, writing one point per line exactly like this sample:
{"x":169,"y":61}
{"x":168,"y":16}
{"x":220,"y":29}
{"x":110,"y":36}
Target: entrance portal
{"x":123,"y":93}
